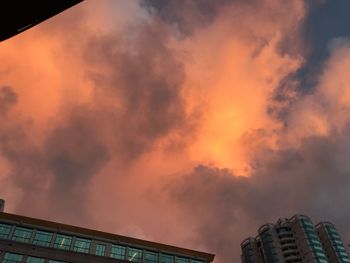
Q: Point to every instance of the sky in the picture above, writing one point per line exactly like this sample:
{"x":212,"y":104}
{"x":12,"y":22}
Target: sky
{"x":186,"y":122}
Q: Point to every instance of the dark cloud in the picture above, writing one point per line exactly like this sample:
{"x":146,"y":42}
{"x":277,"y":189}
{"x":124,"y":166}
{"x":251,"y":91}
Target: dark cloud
{"x":312,"y":180}
{"x":74,"y":153}
{"x":186,"y":16}
{"x":8,"y":98}
{"x":141,"y":82}
{"x":146,"y":80}
{"x":53,"y":175}
{"x":326,"y":20}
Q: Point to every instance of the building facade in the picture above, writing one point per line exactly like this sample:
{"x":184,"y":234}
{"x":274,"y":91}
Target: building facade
{"x":332,"y":242}
{"x":295,"y":240}
{"x":30,"y":240}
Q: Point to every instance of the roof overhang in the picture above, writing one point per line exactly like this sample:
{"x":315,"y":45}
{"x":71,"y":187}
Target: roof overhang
{"x":18,"y":15}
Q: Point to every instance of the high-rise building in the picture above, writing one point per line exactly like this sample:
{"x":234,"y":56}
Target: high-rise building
{"x":295,"y":240}
{"x":332,"y":243}
{"x":30,"y":240}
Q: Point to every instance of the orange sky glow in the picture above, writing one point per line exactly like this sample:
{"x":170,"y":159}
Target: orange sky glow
{"x":90,"y":89}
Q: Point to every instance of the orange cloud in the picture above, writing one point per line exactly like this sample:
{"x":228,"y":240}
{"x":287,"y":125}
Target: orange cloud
{"x":110,"y":111}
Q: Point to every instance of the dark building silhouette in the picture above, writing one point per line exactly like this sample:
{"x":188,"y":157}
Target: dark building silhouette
{"x":295,"y":240}
{"x":30,"y":240}
{"x":20,"y":15}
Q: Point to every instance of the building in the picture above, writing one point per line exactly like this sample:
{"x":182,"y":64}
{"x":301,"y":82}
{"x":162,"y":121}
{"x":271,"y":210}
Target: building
{"x":2,"y":204}
{"x":30,"y":240}
{"x":332,"y":242}
{"x":295,"y":240}
{"x":18,"y":15}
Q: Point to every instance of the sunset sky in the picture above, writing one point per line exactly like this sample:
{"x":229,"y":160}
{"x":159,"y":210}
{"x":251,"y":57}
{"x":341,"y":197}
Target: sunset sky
{"x":186,"y":122}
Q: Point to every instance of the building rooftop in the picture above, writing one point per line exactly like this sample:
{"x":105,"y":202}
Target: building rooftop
{"x":104,"y":236}
{"x":18,"y":15}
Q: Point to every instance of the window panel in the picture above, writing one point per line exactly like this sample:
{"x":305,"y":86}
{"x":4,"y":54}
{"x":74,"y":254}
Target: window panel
{"x":63,"y":242}
{"x":56,"y":261}
{"x":34,"y":260}
{"x":135,"y":255}
{"x":42,"y":238}
{"x":5,"y":231}
{"x":82,"y":245}
{"x":22,"y":234}
{"x":100,"y":250}
{"x":182,"y":260}
{"x":151,"y":257}
{"x":118,"y":252}
{"x":12,"y":258}
{"x":167,"y":258}
{"x":307,"y":222}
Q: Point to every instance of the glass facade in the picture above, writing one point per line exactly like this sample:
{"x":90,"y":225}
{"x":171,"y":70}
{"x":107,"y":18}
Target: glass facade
{"x":151,"y":257}
{"x":12,"y":258}
{"x":248,"y":254}
{"x":82,"y":245}
{"x":34,"y":260}
{"x":78,"y":244}
{"x":182,"y":260}
{"x":118,"y":252}
{"x":337,"y":244}
{"x":268,"y":246}
{"x":100,"y":250}
{"x":18,"y":258}
{"x":314,"y":241}
{"x":22,"y":234}
{"x":5,"y":231}
{"x":42,"y":238}
{"x":166,"y":259}
{"x":63,"y":242}
{"x":134,"y":255}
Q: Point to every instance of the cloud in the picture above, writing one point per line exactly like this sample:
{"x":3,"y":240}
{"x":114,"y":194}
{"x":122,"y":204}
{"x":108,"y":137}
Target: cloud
{"x":325,"y":21}
{"x":109,"y":118}
{"x":132,"y":100}
{"x":187,"y":16}
{"x":308,"y":175}
{"x":145,"y":82}
{"x":8,"y":98}
{"x":225,"y":208}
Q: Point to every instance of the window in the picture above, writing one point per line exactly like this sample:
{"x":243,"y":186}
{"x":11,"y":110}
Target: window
{"x":42,"y":238}
{"x":12,"y":258}
{"x":118,"y":252}
{"x":182,"y":260}
{"x":338,"y":242}
{"x":340,"y":248}
{"x":343,"y":253}
{"x":100,"y":250}
{"x":81,"y":245}
{"x":307,"y":222}
{"x":151,"y":257}
{"x":63,"y":242}
{"x":55,"y":261}
{"x":197,"y":261}
{"x":135,"y":255}
{"x":167,"y":258}
{"x":5,"y":231}
{"x":22,"y":234}
{"x":34,"y":260}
